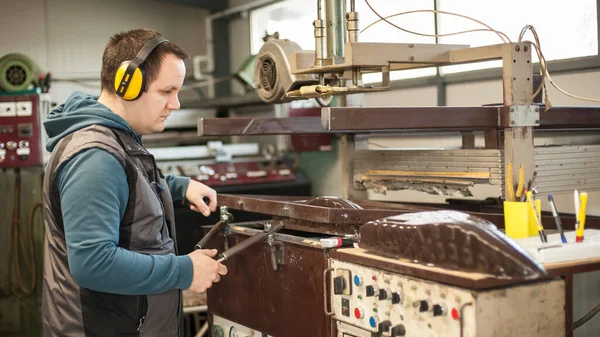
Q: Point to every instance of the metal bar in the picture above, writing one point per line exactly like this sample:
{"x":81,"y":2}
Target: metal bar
{"x":256,"y":238}
{"x":382,"y":118}
{"x":570,"y":116}
{"x":361,"y":119}
{"x":258,"y":126}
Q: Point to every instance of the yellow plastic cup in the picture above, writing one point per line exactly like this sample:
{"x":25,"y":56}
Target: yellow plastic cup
{"x":519,"y":220}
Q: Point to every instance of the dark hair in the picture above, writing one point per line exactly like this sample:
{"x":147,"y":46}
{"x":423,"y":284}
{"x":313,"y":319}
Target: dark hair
{"x":124,"y":46}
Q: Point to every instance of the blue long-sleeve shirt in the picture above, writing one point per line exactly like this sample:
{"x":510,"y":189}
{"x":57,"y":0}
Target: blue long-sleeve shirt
{"x":93,"y":195}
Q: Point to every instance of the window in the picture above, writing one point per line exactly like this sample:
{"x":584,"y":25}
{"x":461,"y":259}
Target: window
{"x":566,"y":29}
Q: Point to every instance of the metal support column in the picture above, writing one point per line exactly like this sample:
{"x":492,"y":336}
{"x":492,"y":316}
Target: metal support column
{"x":517,"y":76}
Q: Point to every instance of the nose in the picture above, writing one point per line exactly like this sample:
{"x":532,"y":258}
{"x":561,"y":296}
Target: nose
{"x":173,"y":103}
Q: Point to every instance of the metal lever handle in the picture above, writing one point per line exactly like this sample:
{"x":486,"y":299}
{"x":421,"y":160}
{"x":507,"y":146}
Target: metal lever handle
{"x":247,"y":243}
{"x":213,"y":231}
{"x":226,"y":217}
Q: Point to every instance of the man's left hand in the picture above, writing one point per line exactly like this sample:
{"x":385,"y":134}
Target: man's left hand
{"x":196,"y":192}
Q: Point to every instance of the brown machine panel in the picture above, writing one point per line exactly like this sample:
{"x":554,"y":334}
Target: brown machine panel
{"x":20,"y":133}
{"x":287,"y":302}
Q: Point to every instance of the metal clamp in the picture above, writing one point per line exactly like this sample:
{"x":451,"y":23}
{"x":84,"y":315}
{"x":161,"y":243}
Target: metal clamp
{"x":521,"y":116}
{"x":226,"y":217}
{"x":277,"y":251}
{"x":325,"y":292}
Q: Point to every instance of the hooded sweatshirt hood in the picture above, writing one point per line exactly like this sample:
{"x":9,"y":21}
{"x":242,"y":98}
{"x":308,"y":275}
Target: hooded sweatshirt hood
{"x":79,"y":111}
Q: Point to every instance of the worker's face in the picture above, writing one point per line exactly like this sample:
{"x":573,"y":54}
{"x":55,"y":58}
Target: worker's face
{"x":156,"y":104}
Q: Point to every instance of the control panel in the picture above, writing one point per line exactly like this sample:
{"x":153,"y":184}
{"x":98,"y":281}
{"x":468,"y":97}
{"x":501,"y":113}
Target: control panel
{"x":20,"y":131}
{"x":222,"y":327}
{"x":391,"y":304}
{"x":229,"y":174}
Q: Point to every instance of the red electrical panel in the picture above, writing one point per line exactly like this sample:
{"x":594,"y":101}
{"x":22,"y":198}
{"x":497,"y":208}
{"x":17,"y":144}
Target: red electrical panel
{"x":20,"y":131}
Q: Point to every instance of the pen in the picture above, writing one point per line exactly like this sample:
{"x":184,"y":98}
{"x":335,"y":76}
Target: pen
{"x":581,"y":216}
{"x":557,"y":219}
{"x":576,"y":201}
{"x":537,"y":218}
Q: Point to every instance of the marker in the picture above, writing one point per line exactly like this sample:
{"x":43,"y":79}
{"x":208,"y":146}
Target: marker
{"x":337,"y":242}
{"x":557,"y":219}
{"x":537,"y":218}
{"x":581,"y":217}
{"x":576,"y":202}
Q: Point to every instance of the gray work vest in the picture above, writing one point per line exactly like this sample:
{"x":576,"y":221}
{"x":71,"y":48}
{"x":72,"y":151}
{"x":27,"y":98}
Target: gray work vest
{"x":147,"y":227}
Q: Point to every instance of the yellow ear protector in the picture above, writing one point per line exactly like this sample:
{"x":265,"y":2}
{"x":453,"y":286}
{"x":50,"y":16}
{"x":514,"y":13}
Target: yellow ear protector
{"x":130,"y":80}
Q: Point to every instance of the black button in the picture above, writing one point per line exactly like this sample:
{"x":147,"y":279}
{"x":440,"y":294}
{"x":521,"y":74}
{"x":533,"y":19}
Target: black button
{"x":370,"y":291}
{"x":383,"y":294}
{"x":438,"y":310}
{"x":384,"y":327}
{"x":398,"y":330}
{"x":423,"y":306}
{"x":339,"y":284}
{"x":396,"y":298}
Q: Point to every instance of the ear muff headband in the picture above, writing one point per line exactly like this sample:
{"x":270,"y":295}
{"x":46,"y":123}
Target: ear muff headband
{"x":130,"y":80}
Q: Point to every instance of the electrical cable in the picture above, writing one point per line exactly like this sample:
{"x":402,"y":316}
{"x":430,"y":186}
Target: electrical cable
{"x":543,"y":64}
{"x":17,"y":243}
{"x":586,"y":317}
{"x":500,"y":34}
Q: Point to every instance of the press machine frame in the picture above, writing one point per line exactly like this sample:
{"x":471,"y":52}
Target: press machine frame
{"x":509,"y":127}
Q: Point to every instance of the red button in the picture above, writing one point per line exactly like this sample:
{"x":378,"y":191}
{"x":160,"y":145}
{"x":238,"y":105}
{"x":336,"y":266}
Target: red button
{"x":455,"y":314}
{"x":359,"y":313}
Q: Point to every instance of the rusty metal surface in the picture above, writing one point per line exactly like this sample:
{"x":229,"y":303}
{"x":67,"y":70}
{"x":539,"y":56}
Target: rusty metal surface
{"x":450,"y":240}
{"x":570,"y":117}
{"x":381,"y":119}
{"x":322,"y":215}
{"x":286,"y":302}
{"x":385,"y":118}
{"x":328,"y":210}
{"x":259,"y":126}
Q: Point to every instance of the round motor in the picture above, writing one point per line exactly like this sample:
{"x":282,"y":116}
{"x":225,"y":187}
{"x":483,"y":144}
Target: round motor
{"x":272,"y":71}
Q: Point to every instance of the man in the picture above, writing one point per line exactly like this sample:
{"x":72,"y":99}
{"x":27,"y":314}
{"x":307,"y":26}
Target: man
{"x":110,"y":265}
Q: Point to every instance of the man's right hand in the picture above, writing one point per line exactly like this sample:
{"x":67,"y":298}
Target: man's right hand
{"x":206,"y":269}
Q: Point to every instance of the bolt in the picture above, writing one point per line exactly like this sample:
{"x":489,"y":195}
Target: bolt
{"x":525,"y":48}
{"x":537,"y":121}
{"x":412,"y":58}
{"x":411,"y":45}
{"x":517,"y":48}
{"x":268,"y":226}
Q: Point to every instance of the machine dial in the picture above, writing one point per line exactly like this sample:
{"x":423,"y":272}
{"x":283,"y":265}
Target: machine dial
{"x":217,"y":331}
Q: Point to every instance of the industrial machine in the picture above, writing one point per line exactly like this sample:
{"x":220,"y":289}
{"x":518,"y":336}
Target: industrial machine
{"x":412,"y":270}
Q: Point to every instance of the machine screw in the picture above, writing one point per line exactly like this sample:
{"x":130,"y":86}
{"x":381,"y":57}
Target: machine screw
{"x":411,"y":45}
{"x":268,"y":226}
{"x":412,"y":58}
{"x":537,"y":121}
{"x":517,"y":48}
{"x":525,"y":48}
